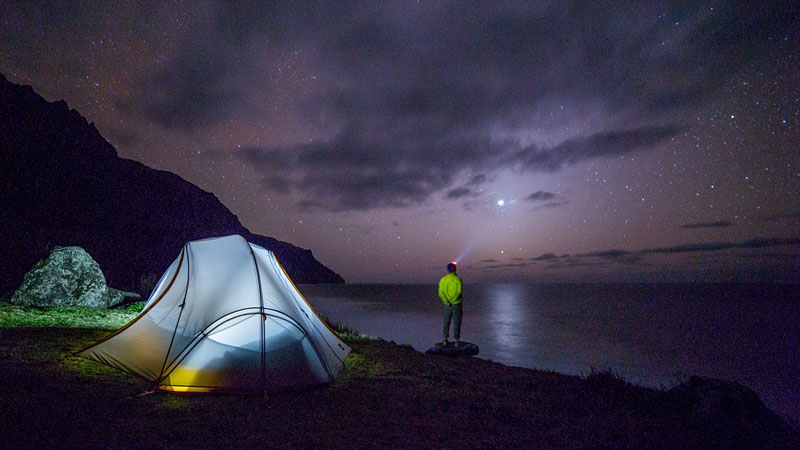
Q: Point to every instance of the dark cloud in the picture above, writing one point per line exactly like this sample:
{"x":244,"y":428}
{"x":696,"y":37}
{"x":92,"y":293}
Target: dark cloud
{"x":717,"y":224}
{"x":615,"y":256}
{"x":459,"y":192}
{"x":716,"y":246}
{"x":539,"y":196}
{"x":507,"y":266}
{"x":639,"y":258}
{"x":478,"y":180}
{"x":469,"y":189}
{"x":555,"y":204}
{"x":547,"y":257}
{"x":570,"y":263}
{"x":611,"y":254}
{"x":551,"y":200}
{"x":777,"y":217}
{"x":417,"y":103}
{"x":608,"y":143}
{"x":190,"y":93}
{"x":208,"y":78}
{"x":488,"y":261}
{"x":327,"y":177}
{"x":780,"y":256}
{"x":630,"y":257}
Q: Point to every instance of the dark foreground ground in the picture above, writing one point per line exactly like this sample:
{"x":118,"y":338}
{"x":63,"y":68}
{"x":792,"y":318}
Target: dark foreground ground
{"x":388,"y":396}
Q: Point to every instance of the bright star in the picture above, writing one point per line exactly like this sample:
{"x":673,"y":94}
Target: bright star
{"x":501,"y":202}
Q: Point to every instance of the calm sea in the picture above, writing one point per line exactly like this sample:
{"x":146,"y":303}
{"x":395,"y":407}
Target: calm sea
{"x":651,"y":334}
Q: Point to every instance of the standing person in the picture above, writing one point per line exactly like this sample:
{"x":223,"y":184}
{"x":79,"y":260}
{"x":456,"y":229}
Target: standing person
{"x":450,"y":293}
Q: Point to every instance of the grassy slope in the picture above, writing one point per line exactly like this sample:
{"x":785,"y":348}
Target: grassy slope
{"x":388,"y":396}
{"x":20,"y":316}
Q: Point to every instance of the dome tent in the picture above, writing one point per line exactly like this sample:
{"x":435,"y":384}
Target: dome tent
{"x":225,"y":316}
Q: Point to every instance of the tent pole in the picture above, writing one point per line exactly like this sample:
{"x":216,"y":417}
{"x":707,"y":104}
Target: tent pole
{"x":180,"y":313}
{"x":263,"y":315}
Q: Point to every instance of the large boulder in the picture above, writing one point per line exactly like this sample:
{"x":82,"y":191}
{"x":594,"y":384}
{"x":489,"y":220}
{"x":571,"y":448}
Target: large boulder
{"x":67,"y":277}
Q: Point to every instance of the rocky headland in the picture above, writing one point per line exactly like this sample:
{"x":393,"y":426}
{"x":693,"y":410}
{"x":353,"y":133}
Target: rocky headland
{"x":63,"y":184}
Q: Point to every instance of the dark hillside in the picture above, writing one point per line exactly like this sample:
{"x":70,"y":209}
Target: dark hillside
{"x":63,"y":184}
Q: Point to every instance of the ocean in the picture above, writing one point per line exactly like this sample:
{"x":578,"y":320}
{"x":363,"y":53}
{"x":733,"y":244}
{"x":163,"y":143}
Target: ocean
{"x":654,"y":335}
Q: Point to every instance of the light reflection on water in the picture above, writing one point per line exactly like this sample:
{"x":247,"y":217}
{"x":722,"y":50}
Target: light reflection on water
{"x":507,"y":322}
{"x":655,"y":335}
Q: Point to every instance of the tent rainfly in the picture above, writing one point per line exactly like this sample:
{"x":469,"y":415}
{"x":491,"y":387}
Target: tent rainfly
{"x":225,"y":316}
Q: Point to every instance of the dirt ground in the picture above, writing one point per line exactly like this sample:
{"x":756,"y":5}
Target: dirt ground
{"x":388,"y":396}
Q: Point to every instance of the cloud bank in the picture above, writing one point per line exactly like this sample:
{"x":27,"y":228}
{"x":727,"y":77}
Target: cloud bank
{"x":407,"y":105}
{"x":639,"y":258}
{"x":717,"y":224}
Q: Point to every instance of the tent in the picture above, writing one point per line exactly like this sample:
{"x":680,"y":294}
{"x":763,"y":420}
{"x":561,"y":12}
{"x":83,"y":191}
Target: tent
{"x":225,"y":316}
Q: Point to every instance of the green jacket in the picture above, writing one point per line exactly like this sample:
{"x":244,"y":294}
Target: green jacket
{"x":450,"y":289}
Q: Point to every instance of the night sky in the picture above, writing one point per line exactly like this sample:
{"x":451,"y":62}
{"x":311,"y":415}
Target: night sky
{"x":545,"y":141}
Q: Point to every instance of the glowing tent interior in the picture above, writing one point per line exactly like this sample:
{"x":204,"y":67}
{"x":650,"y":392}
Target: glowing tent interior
{"x":225,"y":316}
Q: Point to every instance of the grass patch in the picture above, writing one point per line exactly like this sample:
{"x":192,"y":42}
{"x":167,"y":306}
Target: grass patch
{"x":359,"y":366}
{"x":25,"y":316}
{"x":22,"y":316}
{"x":135,"y":307}
{"x":345,"y":331}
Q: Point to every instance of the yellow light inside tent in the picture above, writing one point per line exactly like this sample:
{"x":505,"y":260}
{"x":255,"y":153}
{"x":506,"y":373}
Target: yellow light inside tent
{"x":185,"y":389}
{"x":182,"y":379}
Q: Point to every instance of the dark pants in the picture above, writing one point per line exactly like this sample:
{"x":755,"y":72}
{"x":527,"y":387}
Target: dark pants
{"x":454,"y":312}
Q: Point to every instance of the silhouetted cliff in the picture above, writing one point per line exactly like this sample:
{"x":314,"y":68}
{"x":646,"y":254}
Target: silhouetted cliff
{"x":62,"y":183}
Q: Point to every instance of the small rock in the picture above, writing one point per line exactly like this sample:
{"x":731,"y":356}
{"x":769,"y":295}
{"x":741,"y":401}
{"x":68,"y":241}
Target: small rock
{"x":68,"y":277}
{"x":463,"y":349}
